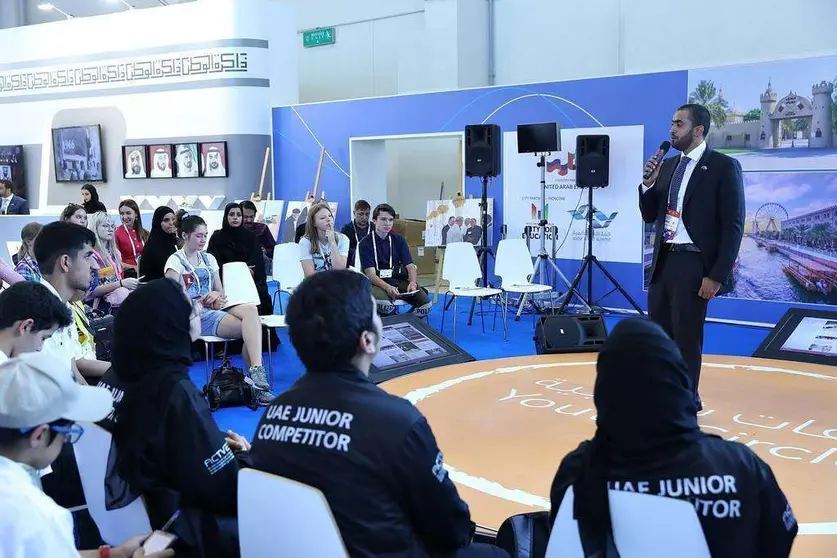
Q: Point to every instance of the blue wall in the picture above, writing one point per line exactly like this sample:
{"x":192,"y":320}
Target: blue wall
{"x":648,"y":100}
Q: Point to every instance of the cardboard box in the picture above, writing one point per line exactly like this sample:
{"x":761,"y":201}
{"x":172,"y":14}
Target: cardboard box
{"x":412,"y":231}
{"x":425,"y":259}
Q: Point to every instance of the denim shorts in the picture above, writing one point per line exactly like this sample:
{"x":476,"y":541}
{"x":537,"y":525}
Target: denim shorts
{"x":210,"y":320}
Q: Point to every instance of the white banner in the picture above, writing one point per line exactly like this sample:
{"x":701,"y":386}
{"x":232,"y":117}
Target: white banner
{"x":617,"y":233}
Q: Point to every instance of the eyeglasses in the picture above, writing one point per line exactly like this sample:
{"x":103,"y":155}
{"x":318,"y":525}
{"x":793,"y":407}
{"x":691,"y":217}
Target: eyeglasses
{"x":72,"y":433}
{"x":108,"y":225}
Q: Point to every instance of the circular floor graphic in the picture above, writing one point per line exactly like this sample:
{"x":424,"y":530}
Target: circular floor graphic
{"x":504,"y":426}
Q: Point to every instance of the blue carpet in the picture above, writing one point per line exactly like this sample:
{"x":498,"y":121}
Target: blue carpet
{"x":720,"y":339}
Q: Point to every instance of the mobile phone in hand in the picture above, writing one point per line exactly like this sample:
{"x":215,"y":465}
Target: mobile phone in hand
{"x":158,"y":541}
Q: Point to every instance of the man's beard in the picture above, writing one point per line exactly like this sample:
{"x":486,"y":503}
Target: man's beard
{"x":135,"y":169}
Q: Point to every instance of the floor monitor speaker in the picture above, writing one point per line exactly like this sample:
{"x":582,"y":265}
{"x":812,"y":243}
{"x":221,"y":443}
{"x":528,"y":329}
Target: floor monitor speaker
{"x":569,"y":333}
{"x":592,"y":160}
{"x":482,"y":150}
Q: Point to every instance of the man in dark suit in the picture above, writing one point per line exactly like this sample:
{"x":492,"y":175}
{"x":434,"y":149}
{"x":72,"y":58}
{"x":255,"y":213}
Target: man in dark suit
{"x":11,"y":204}
{"x":696,"y":201}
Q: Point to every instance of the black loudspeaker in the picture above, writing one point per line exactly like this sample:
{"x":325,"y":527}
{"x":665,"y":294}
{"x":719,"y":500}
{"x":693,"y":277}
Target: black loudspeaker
{"x":482,"y":150}
{"x":592,"y":161}
{"x":572,"y":333}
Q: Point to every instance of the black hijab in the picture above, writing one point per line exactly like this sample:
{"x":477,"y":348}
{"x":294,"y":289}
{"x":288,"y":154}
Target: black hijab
{"x":646,"y":414}
{"x":151,"y":353}
{"x":158,"y":248}
{"x":94,"y":205}
{"x":236,"y":244}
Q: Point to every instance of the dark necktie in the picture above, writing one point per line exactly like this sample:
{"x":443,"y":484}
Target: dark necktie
{"x":676,"y":182}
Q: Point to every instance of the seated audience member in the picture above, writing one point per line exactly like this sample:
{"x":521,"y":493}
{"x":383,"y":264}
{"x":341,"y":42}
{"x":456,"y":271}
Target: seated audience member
{"x":357,"y":229}
{"x":110,"y":287}
{"x":130,"y":237}
{"x":234,"y":243}
{"x":64,"y":253}
{"x":90,"y":200}
{"x":262,"y":232}
{"x":161,"y":244}
{"x":29,"y":314}
{"x":26,"y":265}
{"x":648,"y":435}
{"x":387,"y":262}
{"x":39,"y":408}
{"x":199,"y":274}
{"x":379,"y":466}
{"x":168,"y":447}
{"x":322,"y":249}
{"x":74,"y":213}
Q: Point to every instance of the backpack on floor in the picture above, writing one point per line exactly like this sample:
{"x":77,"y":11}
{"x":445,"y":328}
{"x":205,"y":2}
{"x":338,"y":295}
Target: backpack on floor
{"x":525,"y":535}
{"x":229,"y":386}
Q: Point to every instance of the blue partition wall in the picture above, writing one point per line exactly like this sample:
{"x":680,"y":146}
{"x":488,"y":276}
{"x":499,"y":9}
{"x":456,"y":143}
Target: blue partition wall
{"x":646,"y":100}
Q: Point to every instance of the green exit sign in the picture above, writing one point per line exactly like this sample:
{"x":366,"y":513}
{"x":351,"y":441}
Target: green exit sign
{"x":318,"y":37}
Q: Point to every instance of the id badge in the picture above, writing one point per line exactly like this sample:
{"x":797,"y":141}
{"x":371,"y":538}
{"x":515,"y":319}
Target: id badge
{"x":386,"y":274}
{"x":672,"y":220}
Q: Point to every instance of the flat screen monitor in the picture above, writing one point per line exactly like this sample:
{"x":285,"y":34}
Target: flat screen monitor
{"x":77,"y":154}
{"x":538,"y":138}
{"x":410,"y":345}
{"x":803,"y":336}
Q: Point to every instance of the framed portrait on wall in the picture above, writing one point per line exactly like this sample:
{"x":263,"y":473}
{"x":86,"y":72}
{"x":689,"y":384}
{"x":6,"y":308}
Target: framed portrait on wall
{"x":160,"y":161}
{"x":134,"y":159}
{"x":186,"y":160}
{"x":214,"y":159}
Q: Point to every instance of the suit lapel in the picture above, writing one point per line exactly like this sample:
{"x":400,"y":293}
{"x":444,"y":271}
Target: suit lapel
{"x":664,"y":180}
{"x":697,"y":176}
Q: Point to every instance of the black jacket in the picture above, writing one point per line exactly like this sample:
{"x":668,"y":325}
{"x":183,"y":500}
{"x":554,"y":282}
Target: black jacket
{"x":355,"y":235}
{"x":713,"y":211}
{"x":378,"y":466}
{"x":755,"y":521}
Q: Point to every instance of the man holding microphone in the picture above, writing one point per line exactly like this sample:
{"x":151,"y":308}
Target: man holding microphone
{"x":696,"y":200}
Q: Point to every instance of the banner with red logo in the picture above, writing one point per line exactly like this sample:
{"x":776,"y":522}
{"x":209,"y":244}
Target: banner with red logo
{"x":617,"y":224}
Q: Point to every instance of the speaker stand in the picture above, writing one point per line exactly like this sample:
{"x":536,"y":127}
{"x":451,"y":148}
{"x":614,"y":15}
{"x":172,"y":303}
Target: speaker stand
{"x":587,"y":264}
{"x":544,"y":258}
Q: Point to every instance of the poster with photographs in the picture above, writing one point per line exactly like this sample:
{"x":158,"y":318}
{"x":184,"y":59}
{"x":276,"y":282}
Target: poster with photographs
{"x":295,"y":215}
{"x":456,"y":221}
{"x":186,"y":160}
{"x":160,"y":161}
{"x":11,"y":168}
{"x":134,"y":158}
{"x":271,"y":214}
{"x":214,"y":159}
{"x":77,"y":154}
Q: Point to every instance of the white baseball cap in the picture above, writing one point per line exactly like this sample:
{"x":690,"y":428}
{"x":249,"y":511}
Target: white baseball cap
{"x":37,"y":388}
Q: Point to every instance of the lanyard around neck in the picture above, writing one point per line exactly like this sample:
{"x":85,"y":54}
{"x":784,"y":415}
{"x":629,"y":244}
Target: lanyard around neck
{"x":368,"y":230}
{"x":194,"y":269}
{"x":130,"y":241}
{"x":375,"y":250}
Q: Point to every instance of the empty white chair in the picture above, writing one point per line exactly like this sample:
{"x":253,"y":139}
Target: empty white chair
{"x":13,"y":246}
{"x":644,"y":526}
{"x":514,"y":266}
{"x":462,"y":271}
{"x":287,"y":270}
{"x":116,"y":526}
{"x":282,"y":517}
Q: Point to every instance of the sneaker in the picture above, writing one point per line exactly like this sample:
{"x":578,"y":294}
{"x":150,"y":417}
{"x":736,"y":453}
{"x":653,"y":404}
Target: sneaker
{"x":259,"y":376}
{"x":264,"y":398}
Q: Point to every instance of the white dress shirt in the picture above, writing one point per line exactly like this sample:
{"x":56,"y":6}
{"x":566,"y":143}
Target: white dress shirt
{"x":5,"y":205}
{"x":32,"y":525}
{"x":64,"y":343}
{"x":681,"y":236}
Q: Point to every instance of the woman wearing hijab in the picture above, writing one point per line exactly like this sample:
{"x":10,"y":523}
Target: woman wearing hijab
{"x":168,"y":448}
{"x":648,"y":440}
{"x":90,"y":199}
{"x":235,"y":243}
{"x":162,"y":243}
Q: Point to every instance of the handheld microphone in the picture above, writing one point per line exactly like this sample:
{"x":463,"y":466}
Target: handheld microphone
{"x":661,"y":152}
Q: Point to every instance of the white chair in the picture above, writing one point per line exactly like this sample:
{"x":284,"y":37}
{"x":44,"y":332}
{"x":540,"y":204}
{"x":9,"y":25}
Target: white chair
{"x":240,"y":288}
{"x":13,"y":246}
{"x":116,"y":526}
{"x":282,"y":517}
{"x":644,"y":526}
{"x":514,"y":266}
{"x":462,"y":271}
{"x":287,"y":270}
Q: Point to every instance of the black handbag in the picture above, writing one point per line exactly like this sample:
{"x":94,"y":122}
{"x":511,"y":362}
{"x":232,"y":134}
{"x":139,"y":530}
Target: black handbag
{"x":525,"y":535}
{"x":229,"y":386}
{"x":101,"y":327}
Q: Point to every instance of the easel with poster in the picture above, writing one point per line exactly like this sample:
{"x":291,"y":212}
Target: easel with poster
{"x":256,"y":197}
{"x":297,"y":212}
